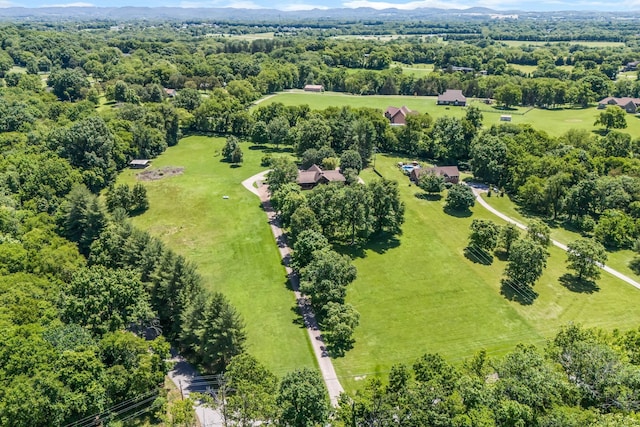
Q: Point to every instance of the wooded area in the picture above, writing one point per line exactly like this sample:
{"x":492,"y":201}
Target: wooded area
{"x":81,"y":287}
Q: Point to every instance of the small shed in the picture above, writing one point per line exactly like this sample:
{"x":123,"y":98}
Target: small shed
{"x":170,"y":92}
{"x":505,"y":118}
{"x":314,"y":88}
{"x":139,"y":163}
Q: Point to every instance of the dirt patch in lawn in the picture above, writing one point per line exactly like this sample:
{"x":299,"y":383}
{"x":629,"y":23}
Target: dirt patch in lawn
{"x":156,"y":174}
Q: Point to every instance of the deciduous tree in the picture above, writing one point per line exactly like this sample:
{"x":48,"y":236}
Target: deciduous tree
{"x":302,"y":399}
{"x":613,"y":117}
{"x":585,"y":257}
{"x":431,"y":183}
{"x":460,"y":198}
{"x":484,"y":235}
{"x":527,"y":260}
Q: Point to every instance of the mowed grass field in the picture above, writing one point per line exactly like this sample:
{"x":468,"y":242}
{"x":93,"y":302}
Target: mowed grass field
{"x":421,"y":294}
{"x":230,"y":241}
{"x":554,"y":122}
{"x":618,"y":259}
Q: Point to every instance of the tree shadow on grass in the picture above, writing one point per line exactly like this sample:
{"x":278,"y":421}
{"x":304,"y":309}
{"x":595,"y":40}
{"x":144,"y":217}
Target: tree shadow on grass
{"x":575,"y":284}
{"x":478,"y":256}
{"x":379,"y":243}
{"x":523,"y":295}
{"x":267,"y":149}
{"x":432,"y":197}
{"x":298,"y":320}
{"x":502,"y":255}
{"x":458,"y":214}
{"x":235,"y":166}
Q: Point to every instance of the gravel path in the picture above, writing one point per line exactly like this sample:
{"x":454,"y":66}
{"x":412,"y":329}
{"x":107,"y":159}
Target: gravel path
{"x":324,"y":361}
{"x":478,"y":190}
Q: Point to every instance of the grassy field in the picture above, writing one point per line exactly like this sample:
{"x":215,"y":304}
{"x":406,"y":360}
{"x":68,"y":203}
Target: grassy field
{"x":318,"y":101}
{"x":248,"y":37}
{"x":618,"y":260}
{"x":532,"y":68}
{"x":554,"y":122}
{"x":231,"y":242}
{"x":416,"y":70}
{"x":421,"y":294}
{"x":570,"y":42}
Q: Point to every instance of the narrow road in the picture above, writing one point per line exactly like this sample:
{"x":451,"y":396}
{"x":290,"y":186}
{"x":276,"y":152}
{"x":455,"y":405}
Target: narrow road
{"x":188,"y":381}
{"x":324,"y":361}
{"x":478,"y":192}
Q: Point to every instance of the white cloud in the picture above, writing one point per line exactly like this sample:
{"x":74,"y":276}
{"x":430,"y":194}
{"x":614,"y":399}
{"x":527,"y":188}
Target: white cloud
{"x":244,"y":4}
{"x":493,"y":4}
{"x":301,"y":6}
{"x":379,"y":5}
{"x":193,"y":4}
{"x":76,"y":4}
{"x":6,"y":4}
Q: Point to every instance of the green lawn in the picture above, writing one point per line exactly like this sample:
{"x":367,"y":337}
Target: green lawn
{"x":230,"y":241}
{"x":618,"y":260}
{"x":416,"y":70}
{"x":554,"y":122}
{"x":318,"y":101}
{"x":423,"y":295}
{"x":532,"y":68}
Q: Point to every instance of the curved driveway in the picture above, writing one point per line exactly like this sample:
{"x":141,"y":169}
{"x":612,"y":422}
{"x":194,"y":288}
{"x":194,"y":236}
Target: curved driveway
{"x":324,"y":361}
{"x":479,"y":190}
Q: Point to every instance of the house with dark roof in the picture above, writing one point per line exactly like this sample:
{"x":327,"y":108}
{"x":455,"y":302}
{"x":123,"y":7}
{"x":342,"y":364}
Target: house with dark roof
{"x":139,"y":163}
{"x":452,"y":97}
{"x":630,"y":105}
{"x":307,"y":179}
{"x":454,"y":68}
{"x":449,"y":173}
{"x":313,"y":88}
{"x":398,"y":116}
{"x":631,"y":66}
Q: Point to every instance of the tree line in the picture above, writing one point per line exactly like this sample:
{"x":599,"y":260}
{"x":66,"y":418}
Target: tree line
{"x":580,"y":377}
{"x":329,"y":215}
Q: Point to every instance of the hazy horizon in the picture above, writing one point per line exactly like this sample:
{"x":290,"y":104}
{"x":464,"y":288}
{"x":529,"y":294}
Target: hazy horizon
{"x":292,"y":5}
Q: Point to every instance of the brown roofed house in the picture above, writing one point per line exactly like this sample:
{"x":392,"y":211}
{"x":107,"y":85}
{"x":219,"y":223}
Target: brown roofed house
{"x":452,"y":97}
{"x":398,"y":116}
{"x":449,"y":173}
{"x":307,"y":179}
{"x":630,"y":105}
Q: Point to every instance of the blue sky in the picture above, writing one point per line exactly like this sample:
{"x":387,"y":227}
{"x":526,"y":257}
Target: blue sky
{"x":542,"y":5}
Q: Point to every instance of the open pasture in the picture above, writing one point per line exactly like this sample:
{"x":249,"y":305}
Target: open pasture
{"x":618,"y":259}
{"x":422,"y":294}
{"x":531,"y":68}
{"x":594,"y":44}
{"x":230,"y":241}
{"x":553,"y":121}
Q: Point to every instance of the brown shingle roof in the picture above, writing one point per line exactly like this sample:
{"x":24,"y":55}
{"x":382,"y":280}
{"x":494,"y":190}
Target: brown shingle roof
{"x":445,"y":171}
{"x":314,"y":175}
{"x":452,"y":95}
{"x":334,"y":176}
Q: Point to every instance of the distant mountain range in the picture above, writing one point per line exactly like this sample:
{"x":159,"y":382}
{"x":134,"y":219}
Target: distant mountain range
{"x":272,"y":15}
